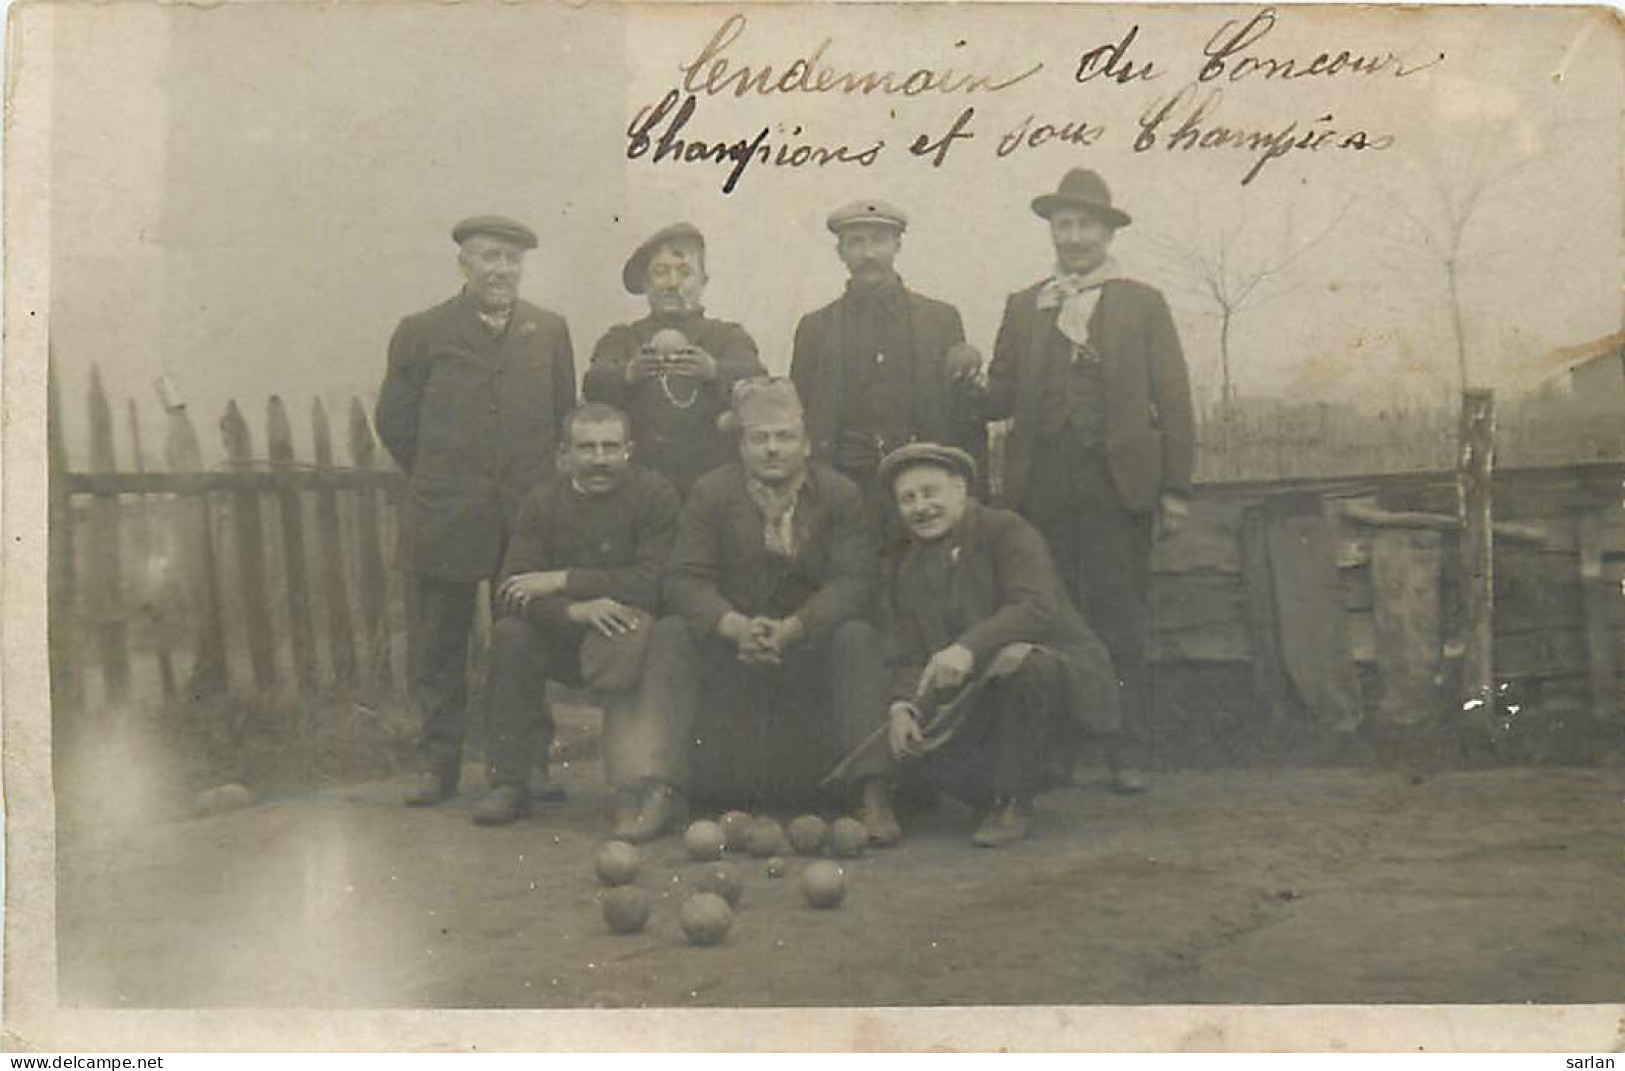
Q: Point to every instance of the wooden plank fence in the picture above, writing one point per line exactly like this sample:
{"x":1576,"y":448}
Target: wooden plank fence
{"x":256,"y":575}
{"x":270,"y":572}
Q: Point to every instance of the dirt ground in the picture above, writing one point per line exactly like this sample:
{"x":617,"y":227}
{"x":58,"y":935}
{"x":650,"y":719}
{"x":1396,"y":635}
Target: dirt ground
{"x":1307,"y":885}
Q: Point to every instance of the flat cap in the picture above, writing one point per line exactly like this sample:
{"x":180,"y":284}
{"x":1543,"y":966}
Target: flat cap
{"x":911,"y":455}
{"x":871,"y":211}
{"x":509,"y":230}
{"x":634,"y":274}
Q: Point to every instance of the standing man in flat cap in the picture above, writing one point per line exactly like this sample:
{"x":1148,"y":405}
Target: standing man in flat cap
{"x":881,"y":365}
{"x":769,"y":662}
{"x":470,"y":409}
{"x":994,"y":676}
{"x":1088,"y":365}
{"x":673,"y":369}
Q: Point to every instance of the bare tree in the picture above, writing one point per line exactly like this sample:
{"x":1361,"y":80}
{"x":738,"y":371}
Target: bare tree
{"x":1239,"y":266}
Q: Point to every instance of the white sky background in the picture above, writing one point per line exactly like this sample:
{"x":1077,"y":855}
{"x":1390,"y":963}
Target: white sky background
{"x":250,"y":197}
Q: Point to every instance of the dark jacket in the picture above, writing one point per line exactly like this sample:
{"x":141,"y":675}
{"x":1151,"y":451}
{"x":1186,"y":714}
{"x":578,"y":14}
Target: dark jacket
{"x":1150,"y":435}
{"x":612,"y":546}
{"x":985,"y":586}
{"x":721,"y":561}
{"x":940,"y":414}
{"x":472,"y":419}
{"x":682,"y":444}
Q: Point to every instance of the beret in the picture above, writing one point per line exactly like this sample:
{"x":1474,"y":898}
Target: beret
{"x":880,"y":212}
{"x":497,"y":227}
{"x":637,"y":265}
{"x":910,"y":455}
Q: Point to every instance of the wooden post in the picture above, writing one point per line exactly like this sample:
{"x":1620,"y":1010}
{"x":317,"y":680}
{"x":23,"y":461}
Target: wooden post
{"x":144,"y":552}
{"x":371,"y":564}
{"x":250,"y":551}
{"x":1405,"y":578}
{"x":67,"y":691}
{"x":194,"y":537}
{"x":1270,"y":686}
{"x":340,"y":638}
{"x":1598,"y":594}
{"x":106,"y":552}
{"x":279,"y":440}
{"x":1475,"y":466}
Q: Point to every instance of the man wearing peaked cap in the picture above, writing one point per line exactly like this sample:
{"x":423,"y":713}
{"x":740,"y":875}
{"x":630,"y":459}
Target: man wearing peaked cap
{"x":501,"y":227}
{"x":471,"y":402}
{"x":882,"y":365}
{"x":994,"y":678}
{"x":1088,"y":367}
{"x":672,"y":370}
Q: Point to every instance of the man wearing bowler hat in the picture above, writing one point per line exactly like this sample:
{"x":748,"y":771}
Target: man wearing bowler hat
{"x":994,"y":678}
{"x":881,"y":365}
{"x":672,"y":370}
{"x":1088,"y":366}
{"x":470,"y":407}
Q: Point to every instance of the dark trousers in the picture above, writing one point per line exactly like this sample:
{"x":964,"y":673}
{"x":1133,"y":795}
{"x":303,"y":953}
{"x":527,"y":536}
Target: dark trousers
{"x":1018,"y":739}
{"x":439,"y":633}
{"x":524,"y":657}
{"x":765,"y":734}
{"x":1103,"y":554}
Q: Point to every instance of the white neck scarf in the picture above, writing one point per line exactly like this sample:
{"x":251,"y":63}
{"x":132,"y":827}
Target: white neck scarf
{"x":1077,"y":294}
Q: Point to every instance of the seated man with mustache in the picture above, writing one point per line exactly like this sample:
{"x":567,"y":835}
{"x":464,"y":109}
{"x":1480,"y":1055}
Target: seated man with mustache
{"x":994,"y":676}
{"x":580,"y":582}
{"x":769,"y":662}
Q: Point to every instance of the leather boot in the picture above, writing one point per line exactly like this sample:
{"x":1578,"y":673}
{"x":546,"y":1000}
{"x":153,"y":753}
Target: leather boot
{"x":877,"y":815}
{"x":657,"y":812}
{"x":501,"y":806}
{"x":431,"y":787}
{"x":1010,"y":820}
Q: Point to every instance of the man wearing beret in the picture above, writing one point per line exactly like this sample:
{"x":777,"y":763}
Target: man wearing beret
{"x":882,"y":365}
{"x":1088,"y":366}
{"x":994,"y":676}
{"x":769,"y":661}
{"x":470,"y":409}
{"x":673,"y":369}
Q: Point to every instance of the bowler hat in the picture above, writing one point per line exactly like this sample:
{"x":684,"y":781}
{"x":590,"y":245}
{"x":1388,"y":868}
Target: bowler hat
{"x":910,"y":455}
{"x":872,"y":211}
{"x":508,"y":230}
{"x":1083,"y":189}
{"x":633,"y":275}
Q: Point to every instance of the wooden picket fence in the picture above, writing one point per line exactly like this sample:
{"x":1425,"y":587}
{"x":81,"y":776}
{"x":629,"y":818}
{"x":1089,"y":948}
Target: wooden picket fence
{"x":263,"y":573}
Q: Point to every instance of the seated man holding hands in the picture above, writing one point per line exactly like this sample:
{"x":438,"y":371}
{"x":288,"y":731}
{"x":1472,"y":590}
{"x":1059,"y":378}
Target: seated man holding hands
{"x":580,"y":582}
{"x":771,"y":661}
{"x":994,"y":674}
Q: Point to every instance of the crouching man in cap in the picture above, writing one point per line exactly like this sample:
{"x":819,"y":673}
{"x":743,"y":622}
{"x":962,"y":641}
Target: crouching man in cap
{"x":770,"y":661}
{"x":994,"y":676}
{"x":881,"y":365}
{"x":1088,"y":367}
{"x":470,"y":409}
{"x":579,"y":588}
{"x":672,"y":371}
